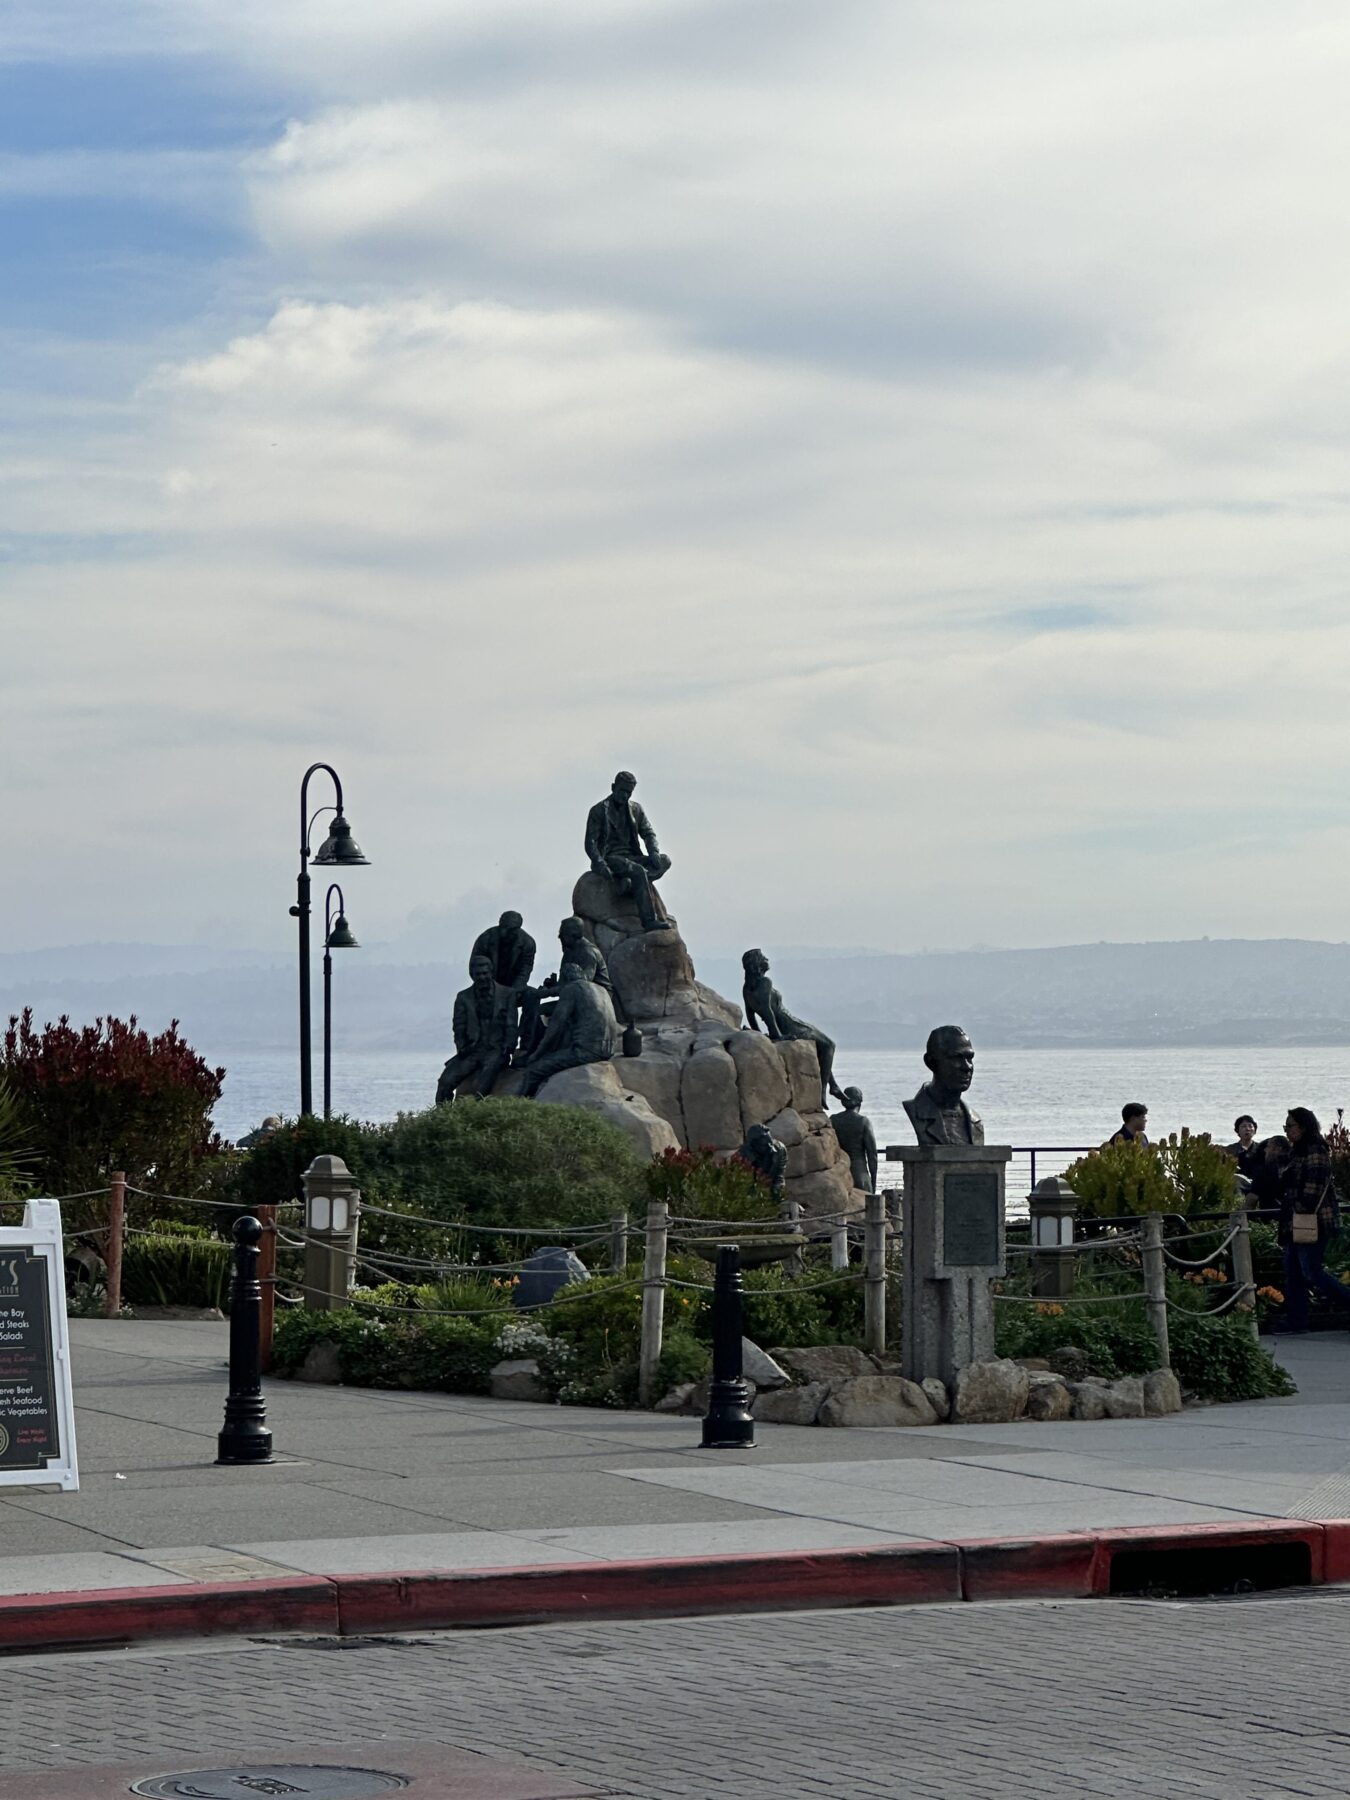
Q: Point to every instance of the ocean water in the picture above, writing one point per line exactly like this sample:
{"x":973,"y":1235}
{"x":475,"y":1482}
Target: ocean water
{"x":1070,"y":1099}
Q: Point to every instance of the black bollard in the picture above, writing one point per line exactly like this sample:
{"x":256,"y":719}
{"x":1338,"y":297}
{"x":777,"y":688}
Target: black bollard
{"x":245,"y":1437}
{"x":728,"y":1425}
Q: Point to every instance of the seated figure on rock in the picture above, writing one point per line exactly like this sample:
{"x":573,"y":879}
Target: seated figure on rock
{"x":577,"y":948}
{"x":510,"y":949}
{"x":763,"y":1001}
{"x":483,"y":1025}
{"x":583,"y":1029}
{"x":621,"y":844}
{"x":857,"y":1140}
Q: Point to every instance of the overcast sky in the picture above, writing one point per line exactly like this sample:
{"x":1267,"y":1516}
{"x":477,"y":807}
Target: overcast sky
{"x":912,"y":437}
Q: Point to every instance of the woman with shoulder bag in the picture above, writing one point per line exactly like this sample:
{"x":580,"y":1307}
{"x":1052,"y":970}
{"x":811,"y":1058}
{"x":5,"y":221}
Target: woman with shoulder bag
{"x":1309,"y":1214}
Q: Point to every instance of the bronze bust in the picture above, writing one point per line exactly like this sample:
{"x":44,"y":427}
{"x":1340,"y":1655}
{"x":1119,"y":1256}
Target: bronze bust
{"x":938,"y":1112}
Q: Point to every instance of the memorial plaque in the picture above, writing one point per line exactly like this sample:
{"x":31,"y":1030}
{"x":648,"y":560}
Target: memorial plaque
{"x":970,"y":1219}
{"x":30,"y":1419}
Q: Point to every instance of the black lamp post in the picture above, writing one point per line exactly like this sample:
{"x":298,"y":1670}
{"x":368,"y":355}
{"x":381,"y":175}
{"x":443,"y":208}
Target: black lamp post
{"x":338,"y":848}
{"x":337,"y":935}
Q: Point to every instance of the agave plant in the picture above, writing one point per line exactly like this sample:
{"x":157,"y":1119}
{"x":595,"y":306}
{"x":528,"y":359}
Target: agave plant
{"x":18,"y":1153}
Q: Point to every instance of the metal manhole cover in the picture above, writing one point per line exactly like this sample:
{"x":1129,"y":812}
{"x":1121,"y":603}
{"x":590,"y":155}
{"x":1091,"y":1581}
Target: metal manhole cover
{"x":309,"y":1780}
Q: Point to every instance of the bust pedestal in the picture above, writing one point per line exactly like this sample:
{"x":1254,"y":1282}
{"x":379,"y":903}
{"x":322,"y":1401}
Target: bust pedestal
{"x":953,"y":1248}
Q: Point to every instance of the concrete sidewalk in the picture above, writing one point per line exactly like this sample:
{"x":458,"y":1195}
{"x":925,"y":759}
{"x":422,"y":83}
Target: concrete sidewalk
{"x":370,"y":1483}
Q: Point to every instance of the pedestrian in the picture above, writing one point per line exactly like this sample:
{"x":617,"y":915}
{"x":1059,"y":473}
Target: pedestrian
{"x":1308,"y":1215}
{"x":1133,"y":1119}
{"x":1245,"y":1152}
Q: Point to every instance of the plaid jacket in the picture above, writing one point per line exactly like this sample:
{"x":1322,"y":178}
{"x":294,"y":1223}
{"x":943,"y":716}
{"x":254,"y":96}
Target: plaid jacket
{"x":1306,"y":1186}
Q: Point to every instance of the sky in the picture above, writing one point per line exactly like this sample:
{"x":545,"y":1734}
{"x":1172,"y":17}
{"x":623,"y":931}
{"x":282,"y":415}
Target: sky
{"x":911,"y":436}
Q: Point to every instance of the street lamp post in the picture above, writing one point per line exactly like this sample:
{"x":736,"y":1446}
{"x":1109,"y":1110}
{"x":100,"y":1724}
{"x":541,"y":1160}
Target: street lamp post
{"x":337,"y":935}
{"x":339,"y":848}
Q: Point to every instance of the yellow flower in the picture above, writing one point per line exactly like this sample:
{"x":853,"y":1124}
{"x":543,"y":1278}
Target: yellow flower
{"x":1048,"y":1309}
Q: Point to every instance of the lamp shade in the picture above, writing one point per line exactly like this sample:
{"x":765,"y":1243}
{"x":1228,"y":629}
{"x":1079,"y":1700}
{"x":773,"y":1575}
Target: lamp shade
{"x":340,"y":846}
{"x":340,"y":937}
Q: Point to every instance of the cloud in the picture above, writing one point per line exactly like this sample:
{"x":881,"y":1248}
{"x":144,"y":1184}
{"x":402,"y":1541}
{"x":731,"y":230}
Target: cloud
{"x":911,"y":436}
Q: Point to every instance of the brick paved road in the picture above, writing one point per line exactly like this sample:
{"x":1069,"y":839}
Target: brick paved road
{"x":1235,"y":1700}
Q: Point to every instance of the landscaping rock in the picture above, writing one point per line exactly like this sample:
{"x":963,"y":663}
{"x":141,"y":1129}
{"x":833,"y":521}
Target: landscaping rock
{"x":938,"y":1397}
{"x":791,"y":1405}
{"x":1048,"y":1398}
{"x":830,"y":1363}
{"x":990,"y":1393}
{"x":1089,"y":1398}
{"x":1125,"y":1398}
{"x":1071,"y":1362}
{"x":701,"y":1398}
{"x":802,"y":1062}
{"x":597,"y":1087}
{"x":877,"y":1400}
{"x":1032,"y":1364}
{"x":1162,"y":1393}
{"x":322,"y":1363}
{"x":518,"y":1378}
{"x":678,"y":1400}
{"x":761,"y":1369}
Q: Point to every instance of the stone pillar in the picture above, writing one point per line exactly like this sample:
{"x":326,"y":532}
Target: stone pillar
{"x":953,"y":1249}
{"x":332,"y":1212}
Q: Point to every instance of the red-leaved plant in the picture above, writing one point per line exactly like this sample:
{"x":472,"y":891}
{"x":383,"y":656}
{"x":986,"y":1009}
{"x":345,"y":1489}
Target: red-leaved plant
{"x":109,"y":1096}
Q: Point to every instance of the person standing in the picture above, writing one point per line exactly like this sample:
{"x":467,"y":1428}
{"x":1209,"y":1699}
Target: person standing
{"x":1309,"y":1214}
{"x":1133,"y":1119}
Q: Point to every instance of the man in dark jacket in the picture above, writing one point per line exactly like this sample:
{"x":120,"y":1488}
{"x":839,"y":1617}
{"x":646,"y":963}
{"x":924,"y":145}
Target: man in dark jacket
{"x":1307,"y":1190}
{"x":482,"y":1026}
{"x":620,"y":843}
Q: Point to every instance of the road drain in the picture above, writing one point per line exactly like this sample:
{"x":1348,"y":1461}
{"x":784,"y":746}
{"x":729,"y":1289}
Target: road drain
{"x":1224,"y":1569}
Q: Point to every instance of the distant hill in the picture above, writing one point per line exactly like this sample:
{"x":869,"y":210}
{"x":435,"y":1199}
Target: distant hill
{"x":1222,"y":992}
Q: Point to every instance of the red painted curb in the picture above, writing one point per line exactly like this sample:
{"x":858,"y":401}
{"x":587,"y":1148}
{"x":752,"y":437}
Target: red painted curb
{"x":1072,"y":1565}
{"x":198,"y":1609}
{"x":895,"y":1575}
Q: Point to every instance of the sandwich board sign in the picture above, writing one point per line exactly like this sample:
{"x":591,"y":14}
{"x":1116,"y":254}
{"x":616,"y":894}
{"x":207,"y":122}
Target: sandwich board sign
{"x":37,"y":1414}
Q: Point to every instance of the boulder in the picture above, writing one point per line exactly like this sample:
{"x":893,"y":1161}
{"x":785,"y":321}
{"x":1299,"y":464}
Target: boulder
{"x":1162,"y":1393}
{"x":646,"y":1131}
{"x":787,"y":1127}
{"x":708,"y":1098}
{"x":938,"y":1397}
{"x":1048,"y":1398}
{"x":1070,"y":1362}
{"x":825,"y":1191}
{"x":815,"y":1152}
{"x":1033,"y":1364}
{"x":653,"y":975}
{"x":1125,"y":1398}
{"x":1089,"y":1398}
{"x":677,"y":1400}
{"x":761,"y":1369}
{"x":802,"y":1063}
{"x":877,"y":1400}
{"x":597,"y":1087}
{"x":656,"y":1076}
{"x":830,"y":1363}
{"x":990,"y":1393}
{"x":518,"y":1378}
{"x":761,"y":1080}
{"x":701,"y":1398}
{"x":790,"y":1405}
{"x":322,"y":1363}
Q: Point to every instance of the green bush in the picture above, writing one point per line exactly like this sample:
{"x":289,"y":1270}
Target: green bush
{"x":1115,"y":1338}
{"x":1181,"y":1174}
{"x":1215,"y":1357}
{"x":452,"y":1355}
{"x":695,"y":1185}
{"x":510,"y":1162}
{"x":175,"y":1265}
{"x":1201,"y":1173}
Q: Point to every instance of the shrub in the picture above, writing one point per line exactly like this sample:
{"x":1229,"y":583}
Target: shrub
{"x":509,"y":1162}
{"x":1216,"y":1358}
{"x":1120,"y":1181}
{"x":452,"y":1355}
{"x":109,"y":1097}
{"x":18,"y":1155}
{"x":269,"y":1173}
{"x":175,"y":1266}
{"x":1115,"y":1339}
{"x":1201,"y":1173}
{"x":695,"y":1185}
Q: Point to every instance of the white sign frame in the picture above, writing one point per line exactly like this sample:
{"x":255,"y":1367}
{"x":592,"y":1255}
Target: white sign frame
{"x":42,"y":1233}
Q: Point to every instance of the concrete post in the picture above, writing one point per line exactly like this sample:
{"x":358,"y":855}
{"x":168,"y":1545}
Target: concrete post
{"x":332,"y":1210}
{"x":1155,"y":1284}
{"x":618,"y":1242}
{"x":874,"y":1276}
{"x":953,"y":1201}
{"x":653,"y":1300}
{"x":1243,"y":1272}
